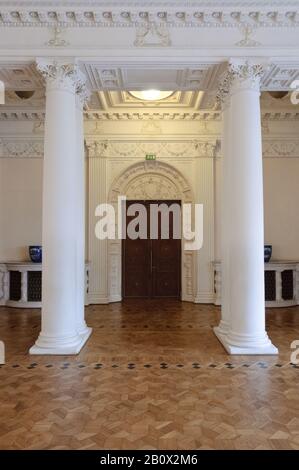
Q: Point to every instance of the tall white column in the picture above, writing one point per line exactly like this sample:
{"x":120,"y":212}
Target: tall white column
{"x":61,"y":224}
{"x":244,"y":301}
{"x":223,"y":326}
{"x":80,"y":214}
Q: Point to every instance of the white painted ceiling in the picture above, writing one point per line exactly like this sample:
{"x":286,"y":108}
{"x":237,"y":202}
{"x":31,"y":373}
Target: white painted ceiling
{"x":177,"y":45}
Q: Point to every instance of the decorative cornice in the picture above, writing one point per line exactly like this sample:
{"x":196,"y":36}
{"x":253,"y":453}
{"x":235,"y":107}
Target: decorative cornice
{"x":141,"y":13}
{"x":211,"y":115}
{"x":98,"y":117}
{"x":21,"y":115}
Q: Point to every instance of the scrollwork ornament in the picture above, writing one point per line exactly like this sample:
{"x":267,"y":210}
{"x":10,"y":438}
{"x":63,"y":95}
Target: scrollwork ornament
{"x":245,"y":74}
{"x":64,"y":76}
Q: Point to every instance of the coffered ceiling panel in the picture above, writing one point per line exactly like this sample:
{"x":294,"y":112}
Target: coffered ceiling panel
{"x":194,"y":89}
{"x":20,"y":77}
{"x":168,"y":78}
{"x":120,"y":100}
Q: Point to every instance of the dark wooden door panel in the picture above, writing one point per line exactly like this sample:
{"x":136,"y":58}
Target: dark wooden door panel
{"x":151,"y":268}
{"x":166,"y":268}
{"x":136,"y":272}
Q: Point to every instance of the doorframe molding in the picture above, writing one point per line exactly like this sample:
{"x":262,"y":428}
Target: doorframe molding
{"x":126,"y":184}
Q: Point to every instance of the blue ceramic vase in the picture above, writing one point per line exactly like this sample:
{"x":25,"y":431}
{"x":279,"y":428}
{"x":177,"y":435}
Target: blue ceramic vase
{"x":267,"y":253}
{"x":35,"y":253}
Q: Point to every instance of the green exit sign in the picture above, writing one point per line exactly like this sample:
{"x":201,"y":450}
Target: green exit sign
{"x":150,"y":156}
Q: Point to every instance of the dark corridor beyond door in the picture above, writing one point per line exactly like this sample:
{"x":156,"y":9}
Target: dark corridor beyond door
{"x":151,"y":268}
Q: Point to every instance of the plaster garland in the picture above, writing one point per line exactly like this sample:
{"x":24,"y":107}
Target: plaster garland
{"x":196,"y":148}
{"x":12,"y":147}
{"x":24,"y":148}
{"x":280,"y":148}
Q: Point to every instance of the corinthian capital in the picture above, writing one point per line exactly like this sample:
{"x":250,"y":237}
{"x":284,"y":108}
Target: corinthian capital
{"x":240,"y":74}
{"x":63,"y":76}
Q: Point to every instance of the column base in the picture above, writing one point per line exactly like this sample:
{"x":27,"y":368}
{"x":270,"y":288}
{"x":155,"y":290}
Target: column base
{"x":84,"y":330}
{"x":258,"y":350}
{"x":222,"y":328}
{"x":56,"y":348}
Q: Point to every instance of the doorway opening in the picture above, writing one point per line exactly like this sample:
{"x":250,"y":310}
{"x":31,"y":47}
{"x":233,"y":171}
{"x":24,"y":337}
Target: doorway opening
{"x":151,"y":268}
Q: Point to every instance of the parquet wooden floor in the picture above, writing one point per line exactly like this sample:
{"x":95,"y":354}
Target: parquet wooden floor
{"x":152,"y":376}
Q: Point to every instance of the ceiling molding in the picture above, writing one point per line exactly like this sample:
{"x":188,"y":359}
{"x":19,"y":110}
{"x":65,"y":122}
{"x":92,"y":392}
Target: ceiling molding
{"x":128,"y":14}
{"x":96,"y":116}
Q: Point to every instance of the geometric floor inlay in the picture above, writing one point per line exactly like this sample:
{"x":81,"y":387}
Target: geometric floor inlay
{"x":152,"y":376}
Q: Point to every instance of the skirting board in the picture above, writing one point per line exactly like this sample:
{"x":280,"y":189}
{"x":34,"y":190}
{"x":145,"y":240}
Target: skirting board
{"x":204,"y":298}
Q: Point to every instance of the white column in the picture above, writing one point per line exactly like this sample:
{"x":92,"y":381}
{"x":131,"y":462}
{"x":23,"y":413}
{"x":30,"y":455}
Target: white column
{"x":223,"y":326}
{"x":244,"y":264}
{"x":80,"y":214}
{"x":61,"y":224}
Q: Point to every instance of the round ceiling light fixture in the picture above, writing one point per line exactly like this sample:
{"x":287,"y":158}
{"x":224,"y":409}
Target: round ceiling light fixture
{"x":151,"y":95}
{"x":25,"y":94}
{"x":278,"y":94}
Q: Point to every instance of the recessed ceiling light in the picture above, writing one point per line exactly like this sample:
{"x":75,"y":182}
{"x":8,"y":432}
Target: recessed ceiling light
{"x":151,"y":95}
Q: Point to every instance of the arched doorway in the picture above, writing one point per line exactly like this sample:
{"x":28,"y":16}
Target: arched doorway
{"x":148,"y":180}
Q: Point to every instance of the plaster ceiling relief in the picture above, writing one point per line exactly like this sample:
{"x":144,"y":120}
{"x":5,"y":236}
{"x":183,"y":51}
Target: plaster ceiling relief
{"x":193,"y":98}
{"x":121,"y":100}
{"x":20,"y":77}
{"x":15,"y":99}
{"x":151,"y":127}
{"x":171,"y":14}
{"x":152,"y":34}
{"x":280,"y":76}
{"x":248,"y":32}
{"x":139,"y":77}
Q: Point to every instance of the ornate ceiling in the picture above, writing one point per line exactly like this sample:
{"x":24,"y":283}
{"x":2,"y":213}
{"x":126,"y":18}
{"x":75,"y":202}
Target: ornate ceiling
{"x":175,"y":45}
{"x":128,"y":13}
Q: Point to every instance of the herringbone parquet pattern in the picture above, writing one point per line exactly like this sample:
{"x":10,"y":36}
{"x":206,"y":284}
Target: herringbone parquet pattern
{"x":152,"y":376}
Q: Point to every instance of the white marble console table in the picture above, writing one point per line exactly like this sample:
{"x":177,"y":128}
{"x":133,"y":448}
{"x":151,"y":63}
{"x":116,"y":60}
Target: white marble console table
{"x":281,"y":283}
{"x":21,"y":284}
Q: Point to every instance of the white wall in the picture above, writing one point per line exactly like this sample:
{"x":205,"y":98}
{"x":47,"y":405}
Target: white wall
{"x":20,"y":206}
{"x":281,"y":197}
{"x":21,"y":182}
{"x":281,"y":202}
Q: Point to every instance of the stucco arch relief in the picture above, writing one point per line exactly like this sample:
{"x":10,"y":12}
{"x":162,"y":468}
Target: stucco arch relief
{"x":148,"y":180}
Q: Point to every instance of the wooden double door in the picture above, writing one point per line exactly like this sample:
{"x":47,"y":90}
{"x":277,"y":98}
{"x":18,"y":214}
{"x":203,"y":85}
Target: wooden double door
{"x":151,"y":268}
